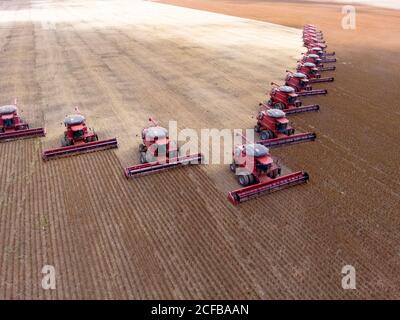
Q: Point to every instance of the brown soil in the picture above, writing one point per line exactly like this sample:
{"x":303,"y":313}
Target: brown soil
{"x":174,"y":235}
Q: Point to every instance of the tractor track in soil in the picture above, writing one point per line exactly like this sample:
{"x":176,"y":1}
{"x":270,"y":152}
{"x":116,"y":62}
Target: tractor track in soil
{"x":174,"y":235}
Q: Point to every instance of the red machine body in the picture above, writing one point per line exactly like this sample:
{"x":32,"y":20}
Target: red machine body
{"x":13,"y":127}
{"x":312,"y":73}
{"x":275,"y":129}
{"x":300,"y":83}
{"x":258,"y":173}
{"x":158,"y":153}
{"x":317,"y":50}
{"x":78,"y":138}
{"x":285,"y":98}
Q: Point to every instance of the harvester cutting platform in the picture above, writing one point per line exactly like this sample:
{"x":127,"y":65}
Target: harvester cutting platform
{"x":258,"y":174}
{"x":285,"y":98}
{"x":275,"y":130}
{"x":159,"y":153}
{"x":77,"y":139}
{"x":13,"y":127}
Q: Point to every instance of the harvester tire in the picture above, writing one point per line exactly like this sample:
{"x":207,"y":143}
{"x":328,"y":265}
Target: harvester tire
{"x":257,"y":128}
{"x":279,"y":105}
{"x":244,"y":180}
{"x":266,"y":135}
{"x":232,"y":167}
{"x":64,"y":142}
{"x":143,"y":157}
{"x":273,"y":174}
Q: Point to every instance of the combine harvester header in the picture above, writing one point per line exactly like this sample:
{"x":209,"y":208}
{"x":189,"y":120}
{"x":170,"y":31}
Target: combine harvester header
{"x":13,"y":127}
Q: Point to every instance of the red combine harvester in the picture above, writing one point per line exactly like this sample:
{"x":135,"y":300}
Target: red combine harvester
{"x":286,"y":99}
{"x":78,"y":138}
{"x":316,"y":59}
{"x":12,"y":126}
{"x":311,"y":71}
{"x":158,"y":153}
{"x":275,"y":130}
{"x":300,"y":83}
{"x":258,"y":174}
{"x":320,"y":52}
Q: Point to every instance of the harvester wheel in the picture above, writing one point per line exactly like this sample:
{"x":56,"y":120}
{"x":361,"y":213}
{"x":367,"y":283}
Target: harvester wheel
{"x":65,"y":142}
{"x":142,"y":148}
{"x":266,"y":134}
{"x":257,"y":128}
{"x":279,"y":105}
{"x":143,"y":157}
{"x":232,"y":166}
{"x":95,"y":137}
{"x":273,"y":174}
{"x":244,"y":180}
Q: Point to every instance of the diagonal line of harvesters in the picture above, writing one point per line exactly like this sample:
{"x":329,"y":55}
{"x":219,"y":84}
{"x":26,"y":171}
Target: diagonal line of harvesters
{"x":252,"y":163}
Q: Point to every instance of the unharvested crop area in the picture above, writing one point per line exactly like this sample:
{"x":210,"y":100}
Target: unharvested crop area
{"x":174,"y":235}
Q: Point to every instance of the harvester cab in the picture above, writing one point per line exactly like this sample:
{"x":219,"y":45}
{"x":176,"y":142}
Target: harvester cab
{"x":12,"y":127}
{"x":77,"y":139}
{"x":258,"y":174}
{"x":158,"y":153}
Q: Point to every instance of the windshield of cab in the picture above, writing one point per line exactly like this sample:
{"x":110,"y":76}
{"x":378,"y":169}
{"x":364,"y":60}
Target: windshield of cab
{"x":77,"y":134}
{"x":161,"y":149}
{"x":281,"y":127}
{"x":291,"y":100}
{"x":8,"y":122}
